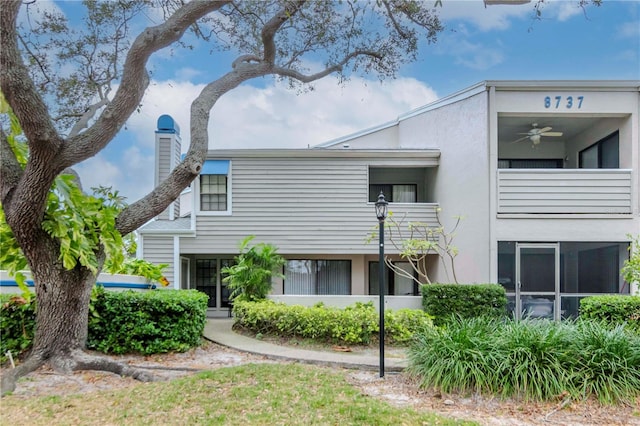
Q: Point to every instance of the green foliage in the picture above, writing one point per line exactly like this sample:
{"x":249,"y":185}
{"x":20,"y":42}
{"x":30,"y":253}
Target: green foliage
{"x":17,"y":324}
{"x":147,"y":322}
{"x":531,"y":359}
{"x":141,"y":268}
{"x":444,"y":301}
{"x":631,"y":269}
{"x":357,"y":324}
{"x":83,"y":223}
{"x":119,"y":322}
{"x":613,"y":309}
{"x":250,"y":278}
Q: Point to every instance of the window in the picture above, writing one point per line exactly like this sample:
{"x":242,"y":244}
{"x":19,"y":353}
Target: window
{"x":206,"y":278}
{"x":306,"y":276}
{"x":213,"y":193}
{"x":209,"y":278}
{"x":404,"y":193}
{"x":604,"y":154}
{"x":215,"y":187}
{"x":528,"y":163}
{"x":401,"y":184}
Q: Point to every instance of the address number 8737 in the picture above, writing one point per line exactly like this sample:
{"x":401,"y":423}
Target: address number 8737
{"x":567,"y":102}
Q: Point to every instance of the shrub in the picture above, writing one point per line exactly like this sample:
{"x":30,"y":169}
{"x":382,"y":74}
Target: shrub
{"x":442,"y":301}
{"x":613,"y":309}
{"x":17,"y":324}
{"x":119,"y":322}
{"x":356,"y":324}
{"x":147,"y":322}
{"x":251,"y":276}
{"x":531,"y":359}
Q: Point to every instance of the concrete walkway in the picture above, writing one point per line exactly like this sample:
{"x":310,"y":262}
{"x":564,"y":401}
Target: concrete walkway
{"x":219,"y":331}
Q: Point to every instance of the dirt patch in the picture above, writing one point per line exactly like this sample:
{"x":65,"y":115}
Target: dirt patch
{"x":396,"y":389}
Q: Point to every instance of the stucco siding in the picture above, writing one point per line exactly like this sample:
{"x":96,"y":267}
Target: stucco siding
{"x":461,"y":185}
{"x":302,"y":205}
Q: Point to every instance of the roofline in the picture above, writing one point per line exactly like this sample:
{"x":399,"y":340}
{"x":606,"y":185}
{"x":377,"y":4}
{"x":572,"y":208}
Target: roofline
{"x":569,"y":84}
{"x":524,"y":85}
{"x":320,"y":153}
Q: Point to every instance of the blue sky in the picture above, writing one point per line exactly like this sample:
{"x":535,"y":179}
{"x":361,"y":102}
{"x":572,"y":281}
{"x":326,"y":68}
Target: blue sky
{"x":478,"y":43}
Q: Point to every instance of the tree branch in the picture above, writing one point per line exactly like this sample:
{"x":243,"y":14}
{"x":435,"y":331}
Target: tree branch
{"x":19,"y":89}
{"x":10,"y":170}
{"x":138,"y":213}
{"x":134,"y":81}
{"x":273,"y":25}
{"x":304,"y":78}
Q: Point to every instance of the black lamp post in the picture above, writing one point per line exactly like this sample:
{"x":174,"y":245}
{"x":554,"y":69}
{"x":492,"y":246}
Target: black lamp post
{"x":381,"y":214}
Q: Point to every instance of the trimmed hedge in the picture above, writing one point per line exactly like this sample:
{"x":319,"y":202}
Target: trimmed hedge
{"x":17,"y":323}
{"x":147,"y":322}
{"x":120,"y":322}
{"x":612,"y":309}
{"x":357,"y":324}
{"x":442,"y":301}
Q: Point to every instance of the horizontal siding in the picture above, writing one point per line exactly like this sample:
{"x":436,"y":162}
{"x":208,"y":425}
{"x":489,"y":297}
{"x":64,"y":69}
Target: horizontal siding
{"x":301,"y":206}
{"x":567,"y":191}
{"x":159,"y":250}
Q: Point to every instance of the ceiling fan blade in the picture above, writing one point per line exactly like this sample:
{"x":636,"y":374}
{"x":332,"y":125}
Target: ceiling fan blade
{"x":551,"y":134}
{"x":543,"y":130}
{"x":521,"y":139}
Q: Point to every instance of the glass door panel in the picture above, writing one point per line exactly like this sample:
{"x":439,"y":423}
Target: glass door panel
{"x":537,"y":278}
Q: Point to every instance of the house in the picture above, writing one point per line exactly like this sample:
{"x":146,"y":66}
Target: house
{"x":545,"y":174}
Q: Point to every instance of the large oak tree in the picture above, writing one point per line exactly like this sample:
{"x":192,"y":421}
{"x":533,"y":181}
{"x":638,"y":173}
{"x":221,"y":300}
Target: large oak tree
{"x":70,"y":116}
{"x":72,"y":90}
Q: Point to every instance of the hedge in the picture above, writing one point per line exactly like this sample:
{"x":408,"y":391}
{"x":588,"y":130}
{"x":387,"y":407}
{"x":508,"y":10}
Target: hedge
{"x":612,"y":309}
{"x":119,"y":322}
{"x":357,"y":324}
{"x":442,"y":301}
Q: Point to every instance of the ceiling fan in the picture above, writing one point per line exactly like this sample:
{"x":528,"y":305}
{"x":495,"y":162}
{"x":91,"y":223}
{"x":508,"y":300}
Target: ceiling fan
{"x":535,"y":134}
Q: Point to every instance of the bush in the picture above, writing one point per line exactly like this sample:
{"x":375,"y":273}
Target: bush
{"x":356,"y":324}
{"x":442,"y":301}
{"x":250,"y":278}
{"x":17,"y":324}
{"x":531,"y":359}
{"x":147,"y":322}
{"x":613,"y":309}
{"x":119,"y":322}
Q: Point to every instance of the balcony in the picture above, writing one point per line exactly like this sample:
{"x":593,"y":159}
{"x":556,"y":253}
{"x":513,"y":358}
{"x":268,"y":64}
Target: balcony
{"x":564,"y":191}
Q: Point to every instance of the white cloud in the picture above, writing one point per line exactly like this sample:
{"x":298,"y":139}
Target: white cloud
{"x":489,"y":18}
{"x":249,"y":117}
{"x":629,"y":30}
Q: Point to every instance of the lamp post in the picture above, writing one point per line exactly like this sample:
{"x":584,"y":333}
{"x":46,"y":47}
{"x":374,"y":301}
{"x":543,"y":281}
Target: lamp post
{"x":381,"y":214}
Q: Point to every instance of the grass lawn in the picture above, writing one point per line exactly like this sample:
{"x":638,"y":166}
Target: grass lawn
{"x":252,"y":394}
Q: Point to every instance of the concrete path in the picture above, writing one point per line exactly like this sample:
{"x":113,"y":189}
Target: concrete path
{"x":219,"y":331}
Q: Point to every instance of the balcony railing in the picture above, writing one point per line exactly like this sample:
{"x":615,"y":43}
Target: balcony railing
{"x":564,"y":191}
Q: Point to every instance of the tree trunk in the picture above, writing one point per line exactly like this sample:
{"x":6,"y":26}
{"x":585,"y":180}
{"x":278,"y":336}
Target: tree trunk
{"x":62,"y":315}
{"x":62,"y":312}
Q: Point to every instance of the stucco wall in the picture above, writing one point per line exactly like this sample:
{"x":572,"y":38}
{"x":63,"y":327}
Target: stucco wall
{"x":461,"y":183}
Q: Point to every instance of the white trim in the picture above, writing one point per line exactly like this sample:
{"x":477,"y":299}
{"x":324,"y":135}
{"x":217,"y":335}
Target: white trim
{"x":140,"y":246}
{"x":325,"y":153}
{"x":176,"y":263}
{"x":565,"y":216}
{"x":492,"y":137}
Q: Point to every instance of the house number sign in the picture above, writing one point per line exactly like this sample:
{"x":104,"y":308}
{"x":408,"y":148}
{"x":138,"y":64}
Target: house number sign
{"x":566,"y":102}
